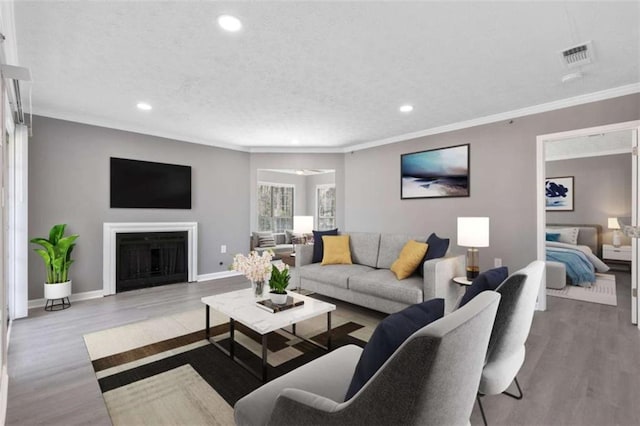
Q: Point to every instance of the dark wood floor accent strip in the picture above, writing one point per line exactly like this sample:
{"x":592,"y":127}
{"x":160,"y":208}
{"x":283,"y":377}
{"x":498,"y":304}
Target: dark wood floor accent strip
{"x":340,"y":331}
{"x":155,"y":348}
{"x":229,"y":379}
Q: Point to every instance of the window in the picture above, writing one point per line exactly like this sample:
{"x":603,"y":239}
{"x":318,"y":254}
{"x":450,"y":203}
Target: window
{"x":275,"y":207}
{"x":326,"y":206}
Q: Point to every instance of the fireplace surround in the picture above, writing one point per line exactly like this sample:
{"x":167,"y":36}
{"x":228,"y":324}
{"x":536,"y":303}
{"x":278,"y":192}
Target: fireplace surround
{"x":110,"y":230}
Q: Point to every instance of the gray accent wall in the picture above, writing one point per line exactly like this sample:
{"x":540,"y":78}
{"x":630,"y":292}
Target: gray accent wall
{"x":503,"y":180}
{"x":69,"y":183}
{"x":602,"y":189}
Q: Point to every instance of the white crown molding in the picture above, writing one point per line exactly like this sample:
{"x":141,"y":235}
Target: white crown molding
{"x":93,"y":121}
{"x":298,"y":150}
{"x":536,"y":109}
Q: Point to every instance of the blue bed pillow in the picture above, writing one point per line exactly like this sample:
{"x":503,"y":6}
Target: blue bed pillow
{"x":437,"y":247}
{"x":318,"y":246}
{"x":552,"y":236}
{"x":488,"y":280}
{"x":389,"y":335}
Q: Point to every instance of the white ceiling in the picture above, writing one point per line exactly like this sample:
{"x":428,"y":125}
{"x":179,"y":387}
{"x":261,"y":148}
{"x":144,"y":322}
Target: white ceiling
{"x":597,"y":144}
{"x":328,"y":74}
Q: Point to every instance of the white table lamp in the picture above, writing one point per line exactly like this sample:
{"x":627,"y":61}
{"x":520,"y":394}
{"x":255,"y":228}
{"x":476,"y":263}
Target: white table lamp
{"x":303,"y":225}
{"x":473,"y":232}
{"x":613,"y":224}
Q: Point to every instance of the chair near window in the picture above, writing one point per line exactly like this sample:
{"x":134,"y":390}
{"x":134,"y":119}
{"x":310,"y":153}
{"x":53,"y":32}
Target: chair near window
{"x":432,"y":378}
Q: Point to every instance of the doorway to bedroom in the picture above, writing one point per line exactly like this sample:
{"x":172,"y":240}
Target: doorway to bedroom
{"x":588,"y":184}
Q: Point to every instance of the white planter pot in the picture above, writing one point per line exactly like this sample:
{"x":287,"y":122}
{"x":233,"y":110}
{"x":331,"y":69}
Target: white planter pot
{"x":278,"y":299}
{"x":57,"y":291}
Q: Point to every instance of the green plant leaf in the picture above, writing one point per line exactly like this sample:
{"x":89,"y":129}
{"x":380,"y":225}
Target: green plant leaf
{"x":45,"y":256}
{"x":56,"y":253}
{"x":57,"y":231}
{"x":43,"y":242}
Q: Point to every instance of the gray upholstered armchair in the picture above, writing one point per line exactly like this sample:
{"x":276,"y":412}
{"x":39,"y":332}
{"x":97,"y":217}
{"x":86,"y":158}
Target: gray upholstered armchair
{"x":432,"y":378}
{"x":506,"y":351}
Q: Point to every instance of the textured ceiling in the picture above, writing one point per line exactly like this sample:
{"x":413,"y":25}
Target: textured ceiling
{"x":618,"y":142}
{"x":329,"y":74}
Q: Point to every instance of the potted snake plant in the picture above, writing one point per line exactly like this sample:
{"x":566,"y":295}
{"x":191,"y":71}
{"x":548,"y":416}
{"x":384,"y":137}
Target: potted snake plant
{"x":278,"y":283}
{"x":56,"y":254}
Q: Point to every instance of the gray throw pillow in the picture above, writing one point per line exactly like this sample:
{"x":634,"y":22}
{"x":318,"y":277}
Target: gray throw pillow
{"x":266,"y":239}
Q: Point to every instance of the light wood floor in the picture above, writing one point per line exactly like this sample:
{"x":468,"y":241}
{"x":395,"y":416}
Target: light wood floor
{"x":582,"y":365}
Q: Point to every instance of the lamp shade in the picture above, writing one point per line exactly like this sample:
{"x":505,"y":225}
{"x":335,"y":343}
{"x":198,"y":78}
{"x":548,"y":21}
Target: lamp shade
{"x":473,"y":231}
{"x":303,"y":224}
{"x":613,"y":223}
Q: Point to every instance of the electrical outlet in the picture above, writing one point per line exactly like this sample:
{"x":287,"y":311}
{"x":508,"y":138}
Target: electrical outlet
{"x":497,"y":262}
{"x":223,"y":248}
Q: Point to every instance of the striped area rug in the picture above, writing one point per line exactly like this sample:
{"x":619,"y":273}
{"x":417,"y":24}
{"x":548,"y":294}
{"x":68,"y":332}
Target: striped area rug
{"x":603,"y":291}
{"x":162,"y":371}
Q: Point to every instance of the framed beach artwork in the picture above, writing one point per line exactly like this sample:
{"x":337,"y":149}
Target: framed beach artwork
{"x":437,"y":173}
{"x":559,"y":193}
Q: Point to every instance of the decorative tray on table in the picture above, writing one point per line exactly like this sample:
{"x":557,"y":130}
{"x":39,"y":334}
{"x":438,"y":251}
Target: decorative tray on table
{"x":268,"y":305}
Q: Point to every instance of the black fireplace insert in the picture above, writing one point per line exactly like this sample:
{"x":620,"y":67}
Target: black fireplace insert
{"x":149,"y":259}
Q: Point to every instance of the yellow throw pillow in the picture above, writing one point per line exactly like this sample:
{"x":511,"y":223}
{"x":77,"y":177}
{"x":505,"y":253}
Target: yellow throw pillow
{"x":410,"y":258}
{"x":336,"y":250}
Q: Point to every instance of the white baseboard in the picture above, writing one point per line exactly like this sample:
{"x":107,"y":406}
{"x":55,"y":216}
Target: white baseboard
{"x":218,"y":275}
{"x":4,"y":390}
{"x":75,"y":297}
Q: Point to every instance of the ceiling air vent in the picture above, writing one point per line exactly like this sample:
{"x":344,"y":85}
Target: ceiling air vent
{"x":576,"y":56}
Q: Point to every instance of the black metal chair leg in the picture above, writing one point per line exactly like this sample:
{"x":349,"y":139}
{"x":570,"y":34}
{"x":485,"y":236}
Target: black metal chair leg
{"x":484,"y":419}
{"x":519,"y":391}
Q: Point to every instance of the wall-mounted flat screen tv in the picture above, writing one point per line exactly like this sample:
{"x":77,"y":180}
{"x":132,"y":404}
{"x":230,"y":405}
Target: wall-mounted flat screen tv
{"x":144,"y":184}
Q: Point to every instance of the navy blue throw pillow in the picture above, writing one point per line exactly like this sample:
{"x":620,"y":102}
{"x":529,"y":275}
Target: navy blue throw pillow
{"x":488,"y":280}
{"x":389,"y":335}
{"x":318,"y":245}
{"x":437,"y":247}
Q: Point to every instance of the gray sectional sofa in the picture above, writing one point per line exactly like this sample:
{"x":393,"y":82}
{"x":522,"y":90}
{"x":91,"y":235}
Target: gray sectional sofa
{"x":369,"y":282}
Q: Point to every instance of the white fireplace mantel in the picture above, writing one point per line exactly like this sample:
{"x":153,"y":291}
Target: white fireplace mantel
{"x":110,"y":230}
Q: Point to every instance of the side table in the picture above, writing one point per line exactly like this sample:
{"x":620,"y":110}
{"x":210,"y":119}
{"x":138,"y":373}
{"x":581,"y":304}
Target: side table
{"x":289,"y":259}
{"x":617,"y":255}
{"x":463,"y":281}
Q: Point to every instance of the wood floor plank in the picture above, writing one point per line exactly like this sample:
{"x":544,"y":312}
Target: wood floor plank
{"x":51,"y":380}
{"x":582,"y":364}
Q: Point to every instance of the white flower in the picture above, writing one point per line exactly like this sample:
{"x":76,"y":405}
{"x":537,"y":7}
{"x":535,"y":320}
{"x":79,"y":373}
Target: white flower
{"x":282,"y":267}
{"x":254,"y":266}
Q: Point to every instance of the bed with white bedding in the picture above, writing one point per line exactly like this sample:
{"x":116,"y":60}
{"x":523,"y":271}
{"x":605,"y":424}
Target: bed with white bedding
{"x":577,"y":247}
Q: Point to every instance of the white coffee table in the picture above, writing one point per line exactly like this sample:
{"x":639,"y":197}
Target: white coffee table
{"x":241,"y":306}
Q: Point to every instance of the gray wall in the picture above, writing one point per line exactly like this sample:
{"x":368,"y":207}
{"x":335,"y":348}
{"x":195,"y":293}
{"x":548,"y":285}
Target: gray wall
{"x":73,"y":159}
{"x":297,"y":161}
{"x":300,"y":187}
{"x":602,"y":189}
{"x":69,"y":183}
{"x":503,"y":180}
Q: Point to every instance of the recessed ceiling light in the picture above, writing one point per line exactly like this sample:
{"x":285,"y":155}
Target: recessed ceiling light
{"x":295,"y":142}
{"x":406,"y":108}
{"x":299,"y":172}
{"x":229,"y":23}
{"x":144,"y":106}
